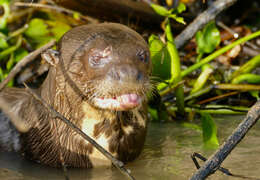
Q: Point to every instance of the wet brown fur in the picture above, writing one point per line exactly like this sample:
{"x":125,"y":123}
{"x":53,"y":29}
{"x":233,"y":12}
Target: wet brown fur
{"x":70,"y":86}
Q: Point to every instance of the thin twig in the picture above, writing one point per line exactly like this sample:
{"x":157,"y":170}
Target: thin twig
{"x":218,"y":97}
{"x":27,"y":59}
{"x":214,"y":162}
{"x":201,"y":20}
{"x":238,"y":87}
{"x":54,"y":113}
{"x":235,"y":34}
{"x":56,"y":8}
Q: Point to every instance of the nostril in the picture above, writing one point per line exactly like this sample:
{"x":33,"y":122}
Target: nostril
{"x":139,"y":76}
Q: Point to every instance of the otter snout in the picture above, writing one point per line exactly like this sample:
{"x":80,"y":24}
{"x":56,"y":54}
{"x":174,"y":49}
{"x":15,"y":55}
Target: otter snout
{"x":125,"y":73}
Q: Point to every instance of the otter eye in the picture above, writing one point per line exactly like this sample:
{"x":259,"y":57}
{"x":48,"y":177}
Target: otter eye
{"x":98,"y":58}
{"x":95,"y":60}
{"x":143,"y":56}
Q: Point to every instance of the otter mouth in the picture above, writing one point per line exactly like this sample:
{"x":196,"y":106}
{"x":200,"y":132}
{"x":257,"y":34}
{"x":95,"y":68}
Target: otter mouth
{"x":119,"y":103}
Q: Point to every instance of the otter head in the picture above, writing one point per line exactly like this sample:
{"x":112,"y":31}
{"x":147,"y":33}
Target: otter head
{"x":107,"y":63}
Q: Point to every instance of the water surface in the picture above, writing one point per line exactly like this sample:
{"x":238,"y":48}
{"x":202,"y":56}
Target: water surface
{"x":166,"y":155}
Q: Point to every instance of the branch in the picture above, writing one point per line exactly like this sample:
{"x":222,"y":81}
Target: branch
{"x":27,"y":59}
{"x":214,"y":162}
{"x":55,"y":8}
{"x":54,"y":113}
{"x":208,"y":15}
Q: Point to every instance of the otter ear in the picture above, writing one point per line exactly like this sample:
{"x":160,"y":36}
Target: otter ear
{"x":51,"y":56}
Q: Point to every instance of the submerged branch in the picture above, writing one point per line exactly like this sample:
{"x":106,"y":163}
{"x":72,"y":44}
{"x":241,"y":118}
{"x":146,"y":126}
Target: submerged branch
{"x":214,"y":162}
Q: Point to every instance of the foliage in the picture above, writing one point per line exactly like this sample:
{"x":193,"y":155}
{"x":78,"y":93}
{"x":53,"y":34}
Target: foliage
{"x":37,"y":32}
{"x":167,"y":67}
{"x":209,"y":130}
{"x":208,"y":39}
{"x":169,"y":70}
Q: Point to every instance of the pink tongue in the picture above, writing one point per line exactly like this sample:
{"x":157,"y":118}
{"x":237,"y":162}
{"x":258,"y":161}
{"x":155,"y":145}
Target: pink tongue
{"x":129,"y":100}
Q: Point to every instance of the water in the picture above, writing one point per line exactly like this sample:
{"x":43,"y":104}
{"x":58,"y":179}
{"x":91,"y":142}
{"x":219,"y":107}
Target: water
{"x":166,"y":155}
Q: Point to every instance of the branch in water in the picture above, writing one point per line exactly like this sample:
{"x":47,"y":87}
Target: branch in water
{"x":214,"y":162}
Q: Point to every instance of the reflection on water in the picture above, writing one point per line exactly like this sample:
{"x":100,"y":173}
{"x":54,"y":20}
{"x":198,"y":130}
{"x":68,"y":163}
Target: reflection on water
{"x":166,"y":155}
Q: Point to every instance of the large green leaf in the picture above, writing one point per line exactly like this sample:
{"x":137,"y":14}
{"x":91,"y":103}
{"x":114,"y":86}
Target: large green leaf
{"x":160,"y":58}
{"x":209,"y":129}
{"x":208,"y":39}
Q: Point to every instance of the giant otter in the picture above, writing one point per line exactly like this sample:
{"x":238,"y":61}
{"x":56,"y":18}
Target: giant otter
{"x":98,"y":79}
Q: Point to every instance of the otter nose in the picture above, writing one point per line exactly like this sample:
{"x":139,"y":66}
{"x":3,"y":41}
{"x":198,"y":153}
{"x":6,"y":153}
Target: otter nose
{"x":125,"y":73}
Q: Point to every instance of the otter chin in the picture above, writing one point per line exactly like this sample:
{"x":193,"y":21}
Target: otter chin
{"x":99,"y":80}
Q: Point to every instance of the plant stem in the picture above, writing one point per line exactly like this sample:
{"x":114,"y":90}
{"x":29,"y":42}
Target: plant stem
{"x":238,"y":87}
{"x":213,"y":110}
{"x":175,"y":69}
{"x":247,"y":67}
{"x":249,"y":78}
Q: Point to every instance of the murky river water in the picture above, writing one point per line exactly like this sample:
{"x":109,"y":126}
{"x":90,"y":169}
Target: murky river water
{"x":166,"y":155}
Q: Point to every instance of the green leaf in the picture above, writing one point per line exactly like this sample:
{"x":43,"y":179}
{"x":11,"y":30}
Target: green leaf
{"x":160,"y":58}
{"x":178,"y":19}
{"x":181,"y":7}
{"x":208,"y":39}
{"x":162,"y":11}
{"x":58,"y":28}
{"x":37,"y":29}
{"x":209,"y":129}
{"x":153,"y":113}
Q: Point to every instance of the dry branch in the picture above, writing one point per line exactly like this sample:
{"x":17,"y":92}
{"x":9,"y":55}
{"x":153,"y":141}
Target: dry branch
{"x":55,"y":8}
{"x":214,"y":162}
{"x":201,"y":20}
